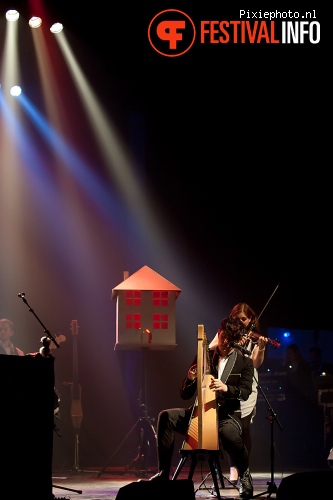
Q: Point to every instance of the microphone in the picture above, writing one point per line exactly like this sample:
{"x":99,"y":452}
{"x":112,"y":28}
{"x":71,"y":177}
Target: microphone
{"x":241,"y":349}
{"x":22,"y":294}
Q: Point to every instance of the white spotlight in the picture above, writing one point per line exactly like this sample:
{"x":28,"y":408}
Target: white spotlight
{"x":56,"y":28}
{"x":15,"y":91}
{"x":35,"y":22}
{"x":12,"y":15}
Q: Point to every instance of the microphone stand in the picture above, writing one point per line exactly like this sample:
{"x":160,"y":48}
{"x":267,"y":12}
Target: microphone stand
{"x":47,"y":351}
{"x":272,"y":488}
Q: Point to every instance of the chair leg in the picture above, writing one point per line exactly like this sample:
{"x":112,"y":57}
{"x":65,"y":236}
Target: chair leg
{"x":193,"y":466}
{"x":179,"y":467}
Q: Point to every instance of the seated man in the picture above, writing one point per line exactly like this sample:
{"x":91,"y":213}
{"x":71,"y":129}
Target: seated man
{"x":231,"y":380}
{"x":6,"y":334}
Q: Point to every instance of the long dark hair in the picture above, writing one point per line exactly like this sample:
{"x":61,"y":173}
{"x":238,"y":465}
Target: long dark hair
{"x":243,"y":308}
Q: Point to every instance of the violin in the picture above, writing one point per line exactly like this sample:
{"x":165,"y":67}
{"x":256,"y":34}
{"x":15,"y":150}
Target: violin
{"x":254,"y":335}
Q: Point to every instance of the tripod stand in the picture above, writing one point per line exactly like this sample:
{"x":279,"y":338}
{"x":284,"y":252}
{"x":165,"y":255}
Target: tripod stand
{"x":145,"y":423}
{"x":213,"y":488}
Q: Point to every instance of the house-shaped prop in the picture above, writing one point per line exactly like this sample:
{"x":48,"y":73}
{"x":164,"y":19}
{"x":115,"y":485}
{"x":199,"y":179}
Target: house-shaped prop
{"x":145,"y":311}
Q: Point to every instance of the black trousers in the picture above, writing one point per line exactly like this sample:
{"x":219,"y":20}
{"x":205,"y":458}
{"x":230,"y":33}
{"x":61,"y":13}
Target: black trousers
{"x":176,"y":420}
{"x":246,"y":436}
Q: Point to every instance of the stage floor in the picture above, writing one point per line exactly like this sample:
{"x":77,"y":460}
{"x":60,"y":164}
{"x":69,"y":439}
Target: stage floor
{"x":99,"y":484}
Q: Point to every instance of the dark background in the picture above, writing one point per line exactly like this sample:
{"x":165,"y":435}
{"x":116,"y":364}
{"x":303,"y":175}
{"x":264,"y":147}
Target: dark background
{"x":231,"y":145}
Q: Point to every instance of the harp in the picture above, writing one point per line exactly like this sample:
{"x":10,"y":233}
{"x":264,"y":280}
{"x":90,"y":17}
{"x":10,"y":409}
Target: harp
{"x":202,"y":433}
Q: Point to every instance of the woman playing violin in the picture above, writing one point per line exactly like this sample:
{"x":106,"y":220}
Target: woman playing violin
{"x":256,"y":344}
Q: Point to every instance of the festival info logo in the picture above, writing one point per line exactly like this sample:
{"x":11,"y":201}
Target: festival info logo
{"x":171,"y":33}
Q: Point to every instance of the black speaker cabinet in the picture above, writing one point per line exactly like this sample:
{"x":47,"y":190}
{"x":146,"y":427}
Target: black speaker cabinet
{"x":151,"y":490}
{"x":26,"y":423}
{"x":312,"y":484}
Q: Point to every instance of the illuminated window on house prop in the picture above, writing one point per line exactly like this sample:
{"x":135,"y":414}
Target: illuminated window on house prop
{"x":133,"y":321}
{"x":160,"y":298}
{"x":160,"y":321}
{"x":133,"y":297}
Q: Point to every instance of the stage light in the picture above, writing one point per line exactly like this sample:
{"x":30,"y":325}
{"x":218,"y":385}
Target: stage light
{"x":286,"y":335}
{"x":56,"y":28}
{"x":35,"y":22}
{"x":16,"y":91}
{"x":12,"y":15}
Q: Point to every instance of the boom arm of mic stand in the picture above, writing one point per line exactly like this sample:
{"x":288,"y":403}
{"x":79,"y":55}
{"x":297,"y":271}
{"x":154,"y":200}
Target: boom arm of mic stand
{"x":48,"y":334}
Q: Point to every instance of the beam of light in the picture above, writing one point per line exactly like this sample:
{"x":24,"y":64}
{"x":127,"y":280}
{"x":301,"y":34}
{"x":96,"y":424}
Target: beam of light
{"x":83,"y":172}
{"x":154,"y":234}
{"x":122,"y":166}
{"x":10,"y":66}
{"x":49,"y":65}
{"x":26,"y":162}
{"x":149,"y":239}
{"x":144,"y":222}
{"x":14,"y":196}
{"x":47,"y":221}
{"x":9,"y":182}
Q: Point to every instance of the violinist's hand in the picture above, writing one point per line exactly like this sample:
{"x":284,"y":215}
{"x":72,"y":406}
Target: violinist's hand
{"x":192,"y":372}
{"x":262,"y":342}
{"x":217,"y":385}
{"x":258,"y":354}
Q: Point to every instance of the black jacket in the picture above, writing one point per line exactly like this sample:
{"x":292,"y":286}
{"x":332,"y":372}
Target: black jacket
{"x":239,"y":372}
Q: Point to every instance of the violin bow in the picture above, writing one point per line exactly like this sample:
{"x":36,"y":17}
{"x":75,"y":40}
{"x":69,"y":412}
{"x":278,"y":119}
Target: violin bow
{"x":268,"y":301}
